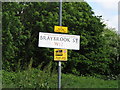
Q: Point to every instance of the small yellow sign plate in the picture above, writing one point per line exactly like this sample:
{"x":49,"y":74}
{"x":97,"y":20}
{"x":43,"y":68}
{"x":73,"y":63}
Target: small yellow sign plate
{"x":60,"y":54}
{"x":61,"y":29}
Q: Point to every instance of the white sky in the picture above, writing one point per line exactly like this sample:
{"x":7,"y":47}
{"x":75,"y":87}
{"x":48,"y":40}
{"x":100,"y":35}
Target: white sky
{"x":108,"y":9}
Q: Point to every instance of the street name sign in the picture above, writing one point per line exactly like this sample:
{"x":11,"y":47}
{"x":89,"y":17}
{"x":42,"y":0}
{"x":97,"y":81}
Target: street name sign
{"x":61,"y":41}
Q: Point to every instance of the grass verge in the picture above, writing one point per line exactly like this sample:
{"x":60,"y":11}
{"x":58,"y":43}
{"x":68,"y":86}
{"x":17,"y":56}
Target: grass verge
{"x":35,"y":78}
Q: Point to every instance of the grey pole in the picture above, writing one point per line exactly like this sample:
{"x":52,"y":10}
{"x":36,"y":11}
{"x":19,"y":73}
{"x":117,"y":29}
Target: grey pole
{"x":60,"y":13}
{"x":59,"y":63}
{"x":59,"y":75}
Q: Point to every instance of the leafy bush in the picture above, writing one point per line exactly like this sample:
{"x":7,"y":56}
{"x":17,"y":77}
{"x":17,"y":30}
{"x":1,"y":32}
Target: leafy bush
{"x":23,"y":21}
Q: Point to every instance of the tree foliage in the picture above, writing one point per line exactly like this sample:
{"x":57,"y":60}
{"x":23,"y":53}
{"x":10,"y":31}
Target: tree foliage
{"x":23,"y":21}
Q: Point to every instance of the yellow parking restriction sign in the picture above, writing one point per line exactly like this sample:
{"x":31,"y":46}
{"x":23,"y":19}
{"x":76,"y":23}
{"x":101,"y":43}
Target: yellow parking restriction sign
{"x":60,"y":54}
{"x":61,"y":29}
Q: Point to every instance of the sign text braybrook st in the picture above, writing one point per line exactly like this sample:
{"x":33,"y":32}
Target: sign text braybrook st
{"x":63,"y":41}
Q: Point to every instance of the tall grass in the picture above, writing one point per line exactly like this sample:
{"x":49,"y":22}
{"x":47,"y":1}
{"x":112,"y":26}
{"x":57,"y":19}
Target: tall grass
{"x":47,"y":78}
{"x":31,"y":78}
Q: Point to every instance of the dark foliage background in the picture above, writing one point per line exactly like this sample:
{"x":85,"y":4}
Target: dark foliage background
{"x":21,"y":23}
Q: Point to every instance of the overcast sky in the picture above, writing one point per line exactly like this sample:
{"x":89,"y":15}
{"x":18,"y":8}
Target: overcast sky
{"x":108,"y":9}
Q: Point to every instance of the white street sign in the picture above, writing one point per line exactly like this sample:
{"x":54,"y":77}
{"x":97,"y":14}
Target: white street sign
{"x":61,"y":41}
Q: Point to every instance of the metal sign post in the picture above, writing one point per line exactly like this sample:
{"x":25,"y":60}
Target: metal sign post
{"x":59,"y":74}
{"x":62,"y":41}
{"x":59,"y":63}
